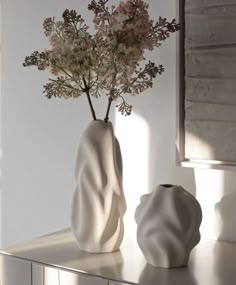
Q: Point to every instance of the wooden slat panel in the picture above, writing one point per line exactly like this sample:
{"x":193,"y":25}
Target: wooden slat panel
{"x":213,"y":29}
{"x":211,"y":63}
{"x":223,"y":11}
{"x":210,"y":112}
{"x":210,"y":80}
{"x":189,"y":4}
{"x":211,"y":90}
{"x":210,"y":140}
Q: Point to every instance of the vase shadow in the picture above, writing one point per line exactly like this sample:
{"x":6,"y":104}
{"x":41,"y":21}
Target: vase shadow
{"x":225,"y":214}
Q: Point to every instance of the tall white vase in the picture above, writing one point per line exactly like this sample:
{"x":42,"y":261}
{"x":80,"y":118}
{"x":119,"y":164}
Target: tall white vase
{"x":98,"y":204}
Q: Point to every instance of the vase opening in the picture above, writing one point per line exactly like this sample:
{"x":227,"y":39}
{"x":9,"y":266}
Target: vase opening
{"x":167,"y":185}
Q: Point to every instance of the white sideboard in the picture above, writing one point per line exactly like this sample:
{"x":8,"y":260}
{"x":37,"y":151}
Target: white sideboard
{"x":55,"y":259}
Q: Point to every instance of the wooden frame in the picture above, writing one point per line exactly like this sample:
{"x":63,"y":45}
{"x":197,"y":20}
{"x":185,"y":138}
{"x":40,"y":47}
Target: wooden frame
{"x":180,"y":104}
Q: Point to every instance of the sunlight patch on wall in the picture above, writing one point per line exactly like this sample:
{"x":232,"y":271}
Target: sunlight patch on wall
{"x":133,"y":134}
{"x":196,"y":148}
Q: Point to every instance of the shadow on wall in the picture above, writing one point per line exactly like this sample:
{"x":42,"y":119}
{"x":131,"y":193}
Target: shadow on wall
{"x":216,"y":192}
{"x":225,"y":210}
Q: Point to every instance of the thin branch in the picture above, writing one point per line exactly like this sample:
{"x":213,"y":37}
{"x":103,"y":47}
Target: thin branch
{"x":123,"y":107}
{"x":65,"y":85}
{"x":69,"y":75}
{"x":75,"y":27}
{"x":91,"y":105}
{"x":108,"y":109}
{"x":63,"y":70}
{"x":86,"y":90}
{"x":110,"y":99}
{"x":57,"y":32}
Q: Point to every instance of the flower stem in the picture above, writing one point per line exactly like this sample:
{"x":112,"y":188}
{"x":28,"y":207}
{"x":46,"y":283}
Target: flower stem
{"x":108,"y":109}
{"x":91,"y":105}
{"x":86,"y":90}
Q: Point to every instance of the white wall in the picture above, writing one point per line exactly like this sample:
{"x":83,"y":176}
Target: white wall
{"x":40,"y":136}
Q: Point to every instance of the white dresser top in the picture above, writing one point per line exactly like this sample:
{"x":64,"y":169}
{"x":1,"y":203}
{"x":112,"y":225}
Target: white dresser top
{"x":211,"y":262}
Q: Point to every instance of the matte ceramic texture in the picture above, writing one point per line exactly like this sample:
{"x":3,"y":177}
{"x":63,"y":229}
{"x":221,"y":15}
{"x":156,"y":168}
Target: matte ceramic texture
{"x":168,"y":221}
{"x":98,"y":204}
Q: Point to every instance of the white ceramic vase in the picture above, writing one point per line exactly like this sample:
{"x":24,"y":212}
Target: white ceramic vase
{"x":168,"y":221}
{"x":98,"y":204}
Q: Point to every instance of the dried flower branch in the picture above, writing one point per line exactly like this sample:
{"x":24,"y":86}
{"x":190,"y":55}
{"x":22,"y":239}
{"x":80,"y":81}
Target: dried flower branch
{"x":60,"y":88}
{"x":124,"y":108}
{"x":39,"y":59}
{"x":106,"y":62}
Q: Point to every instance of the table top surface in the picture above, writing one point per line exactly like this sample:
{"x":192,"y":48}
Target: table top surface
{"x":211,"y":262}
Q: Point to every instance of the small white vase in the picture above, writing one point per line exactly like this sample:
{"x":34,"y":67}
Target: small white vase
{"x":168,"y":221}
{"x":98,"y":204}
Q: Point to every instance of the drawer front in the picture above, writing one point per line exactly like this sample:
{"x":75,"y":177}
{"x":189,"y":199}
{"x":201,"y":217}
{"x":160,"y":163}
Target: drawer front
{"x":44,"y":275}
{"x":14,"y":271}
{"x":68,"y":278}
